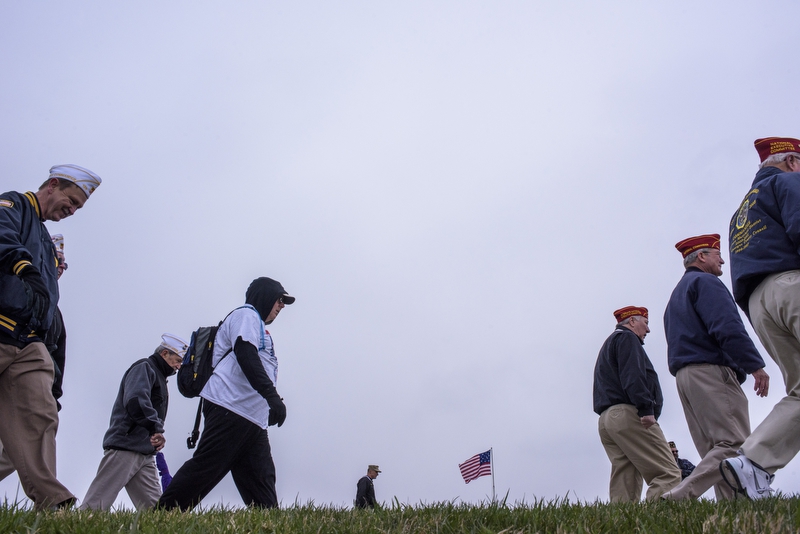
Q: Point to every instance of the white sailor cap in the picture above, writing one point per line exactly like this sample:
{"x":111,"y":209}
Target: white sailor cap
{"x":175,"y":344}
{"x":83,"y":178}
{"x":58,"y":241}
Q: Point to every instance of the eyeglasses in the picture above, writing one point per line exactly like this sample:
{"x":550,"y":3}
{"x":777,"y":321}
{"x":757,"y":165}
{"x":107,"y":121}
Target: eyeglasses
{"x":281,"y":300}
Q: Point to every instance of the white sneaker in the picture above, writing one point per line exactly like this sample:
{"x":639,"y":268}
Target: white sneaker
{"x":749,"y":479}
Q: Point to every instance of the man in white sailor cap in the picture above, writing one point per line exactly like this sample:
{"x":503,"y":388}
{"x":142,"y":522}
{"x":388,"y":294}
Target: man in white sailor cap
{"x":136,"y":431}
{"x":28,"y":298}
{"x":55,"y":341}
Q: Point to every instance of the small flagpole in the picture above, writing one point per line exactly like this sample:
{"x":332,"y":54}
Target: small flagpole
{"x":491,"y":458}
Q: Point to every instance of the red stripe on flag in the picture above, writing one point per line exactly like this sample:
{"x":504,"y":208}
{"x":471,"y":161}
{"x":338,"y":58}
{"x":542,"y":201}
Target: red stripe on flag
{"x":477,"y":466}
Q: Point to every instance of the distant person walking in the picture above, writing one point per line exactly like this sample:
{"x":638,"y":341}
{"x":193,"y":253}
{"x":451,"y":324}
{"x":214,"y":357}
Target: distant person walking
{"x":136,"y":431}
{"x":365,"y":490}
{"x":627,"y":397}
{"x":239,"y":403}
{"x":28,"y":298}
{"x":710,"y":354}
{"x":765,"y":270}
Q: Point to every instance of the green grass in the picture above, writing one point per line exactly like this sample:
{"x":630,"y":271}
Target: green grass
{"x":767,"y":516}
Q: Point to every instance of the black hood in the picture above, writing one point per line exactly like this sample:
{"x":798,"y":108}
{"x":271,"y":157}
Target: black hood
{"x":262,"y":294}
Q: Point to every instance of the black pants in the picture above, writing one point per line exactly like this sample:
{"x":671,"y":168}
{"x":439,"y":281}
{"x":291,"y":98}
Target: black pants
{"x":229,"y":442}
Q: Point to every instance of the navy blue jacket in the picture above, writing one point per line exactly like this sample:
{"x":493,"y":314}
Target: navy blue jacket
{"x":365,"y":493}
{"x":702,"y":325}
{"x":686,"y":467}
{"x":765,"y":232}
{"x":24,"y":239}
{"x":624,"y":374}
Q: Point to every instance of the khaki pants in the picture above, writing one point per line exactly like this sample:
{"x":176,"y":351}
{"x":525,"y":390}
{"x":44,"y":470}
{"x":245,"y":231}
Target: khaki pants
{"x":636,"y":454}
{"x":716,"y":413}
{"x":133,"y":471}
{"x":30,"y":420}
{"x":775,"y":314}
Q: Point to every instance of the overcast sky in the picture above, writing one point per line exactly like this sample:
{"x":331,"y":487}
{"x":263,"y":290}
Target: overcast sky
{"x":459,"y":194}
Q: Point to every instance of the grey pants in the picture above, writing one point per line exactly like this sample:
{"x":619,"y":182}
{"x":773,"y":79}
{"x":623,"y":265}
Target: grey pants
{"x":133,"y":471}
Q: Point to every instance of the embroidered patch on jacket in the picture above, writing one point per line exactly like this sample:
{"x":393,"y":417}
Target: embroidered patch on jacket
{"x":6,"y":203}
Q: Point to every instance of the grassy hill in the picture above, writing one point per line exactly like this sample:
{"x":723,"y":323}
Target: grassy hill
{"x":777,"y":515}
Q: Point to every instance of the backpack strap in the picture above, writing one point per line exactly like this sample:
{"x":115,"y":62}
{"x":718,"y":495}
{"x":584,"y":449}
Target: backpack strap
{"x":263,"y":344}
{"x":191,"y":441}
{"x":263,"y":339}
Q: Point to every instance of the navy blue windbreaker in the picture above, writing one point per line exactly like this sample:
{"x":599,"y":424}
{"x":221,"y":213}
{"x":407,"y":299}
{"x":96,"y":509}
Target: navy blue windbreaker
{"x":23,"y":239}
{"x":702,"y":325}
{"x":765,"y":232}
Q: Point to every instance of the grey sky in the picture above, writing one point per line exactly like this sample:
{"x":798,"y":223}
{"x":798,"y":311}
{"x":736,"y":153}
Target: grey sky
{"x":458,"y":193}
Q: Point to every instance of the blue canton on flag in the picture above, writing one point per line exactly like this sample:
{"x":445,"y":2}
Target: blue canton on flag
{"x":477,"y":466}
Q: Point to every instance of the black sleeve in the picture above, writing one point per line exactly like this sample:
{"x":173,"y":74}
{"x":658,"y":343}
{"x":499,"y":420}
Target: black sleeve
{"x":253,"y":369}
{"x":13,"y":254}
{"x":633,"y":374}
{"x":59,"y":355}
{"x":361,"y":493}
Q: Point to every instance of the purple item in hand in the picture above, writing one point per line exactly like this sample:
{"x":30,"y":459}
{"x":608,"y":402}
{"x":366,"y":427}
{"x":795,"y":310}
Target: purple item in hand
{"x":163,"y":470}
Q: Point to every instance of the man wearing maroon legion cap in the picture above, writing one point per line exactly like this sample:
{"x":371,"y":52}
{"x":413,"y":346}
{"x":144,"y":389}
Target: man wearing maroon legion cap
{"x":627,"y":397}
{"x":765,"y":271}
{"x":710,"y":354}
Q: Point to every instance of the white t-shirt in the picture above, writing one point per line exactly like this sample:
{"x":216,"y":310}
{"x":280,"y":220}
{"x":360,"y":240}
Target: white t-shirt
{"x":227,"y":386}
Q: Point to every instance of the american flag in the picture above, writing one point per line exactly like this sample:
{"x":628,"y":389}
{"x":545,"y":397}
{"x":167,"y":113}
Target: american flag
{"x":477,"y":466}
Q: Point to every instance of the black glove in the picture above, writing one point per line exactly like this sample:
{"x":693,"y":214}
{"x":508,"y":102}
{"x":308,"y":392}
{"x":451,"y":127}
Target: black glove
{"x":253,"y":370}
{"x":41,"y":297}
{"x":277,"y":409}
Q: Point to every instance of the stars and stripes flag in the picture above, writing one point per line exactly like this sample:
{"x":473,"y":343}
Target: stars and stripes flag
{"x":477,"y":466}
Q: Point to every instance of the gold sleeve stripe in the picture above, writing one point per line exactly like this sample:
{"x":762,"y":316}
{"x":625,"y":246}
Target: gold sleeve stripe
{"x":19,"y":266}
{"x":7,"y":322}
{"x":35,"y":202}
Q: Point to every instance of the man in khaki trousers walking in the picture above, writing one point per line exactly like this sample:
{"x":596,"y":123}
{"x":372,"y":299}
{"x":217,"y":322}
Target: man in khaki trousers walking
{"x":765,"y":271}
{"x":710,"y":354}
{"x":627,"y":397}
